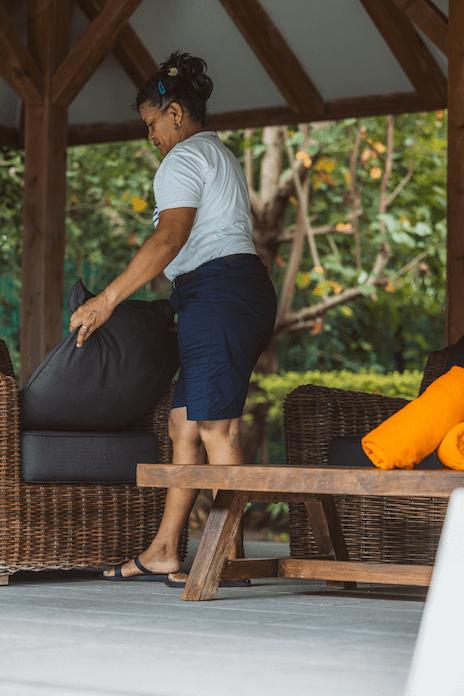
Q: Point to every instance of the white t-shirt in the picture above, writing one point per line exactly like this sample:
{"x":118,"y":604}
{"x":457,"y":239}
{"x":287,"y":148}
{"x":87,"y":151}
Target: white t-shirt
{"x":202,"y":173}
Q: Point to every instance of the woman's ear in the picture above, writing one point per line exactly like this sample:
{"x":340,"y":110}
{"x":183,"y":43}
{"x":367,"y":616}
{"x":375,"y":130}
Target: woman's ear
{"x":176,"y":111}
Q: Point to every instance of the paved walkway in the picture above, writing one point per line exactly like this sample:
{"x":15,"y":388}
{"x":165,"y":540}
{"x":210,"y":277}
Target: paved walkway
{"x":69,"y":634}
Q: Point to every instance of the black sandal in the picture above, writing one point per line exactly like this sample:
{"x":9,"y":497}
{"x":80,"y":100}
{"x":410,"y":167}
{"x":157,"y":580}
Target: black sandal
{"x":147,"y":574}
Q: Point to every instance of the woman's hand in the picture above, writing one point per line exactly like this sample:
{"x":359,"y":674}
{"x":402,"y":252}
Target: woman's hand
{"x":89,"y":317}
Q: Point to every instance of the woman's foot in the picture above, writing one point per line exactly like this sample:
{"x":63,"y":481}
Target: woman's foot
{"x":160,"y":563}
{"x":180,"y":579}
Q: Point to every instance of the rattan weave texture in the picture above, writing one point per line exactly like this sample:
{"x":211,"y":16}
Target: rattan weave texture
{"x":376,"y":529}
{"x":60,"y":526}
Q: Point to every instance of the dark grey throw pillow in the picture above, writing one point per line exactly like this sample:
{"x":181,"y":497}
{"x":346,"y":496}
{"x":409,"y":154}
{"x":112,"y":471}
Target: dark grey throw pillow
{"x":347,"y":451}
{"x":117,"y":375}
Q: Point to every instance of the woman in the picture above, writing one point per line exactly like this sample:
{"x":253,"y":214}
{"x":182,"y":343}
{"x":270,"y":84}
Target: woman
{"x":222,"y":294}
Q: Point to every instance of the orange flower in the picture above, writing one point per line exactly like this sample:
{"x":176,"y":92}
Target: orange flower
{"x":138,"y":204}
{"x":367,"y":152}
{"x":325,"y":165}
{"x":377,"y":145}
{"x":307,"y":161}
{"x":316,"y":327}
{"x":335,"y":287}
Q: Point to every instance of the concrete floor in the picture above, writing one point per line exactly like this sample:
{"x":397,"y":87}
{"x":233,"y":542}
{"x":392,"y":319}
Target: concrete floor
{"x":69,"y":634}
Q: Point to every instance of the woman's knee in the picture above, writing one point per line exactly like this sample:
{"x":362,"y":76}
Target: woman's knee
{"x":180,"y":428}
{"x":215,"y":431}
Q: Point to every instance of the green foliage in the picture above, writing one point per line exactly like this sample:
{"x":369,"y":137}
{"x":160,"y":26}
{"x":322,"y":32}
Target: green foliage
{"x":11,"y":208}
{"x":109,"y":215}
{"x":110,"y":204}
{"x":396,"y":325}
{"x":274,"y":389}
{"x":110,"y":201}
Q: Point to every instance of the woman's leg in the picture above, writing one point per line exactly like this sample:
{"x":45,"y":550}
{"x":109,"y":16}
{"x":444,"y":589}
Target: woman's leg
{"x":221,"y":439}
{"x":222,"y":443}
{"x":162,"y":555}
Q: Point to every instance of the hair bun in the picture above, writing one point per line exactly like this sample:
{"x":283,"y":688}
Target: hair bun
{"x":191,"y":69}
{"x":181,"y":78}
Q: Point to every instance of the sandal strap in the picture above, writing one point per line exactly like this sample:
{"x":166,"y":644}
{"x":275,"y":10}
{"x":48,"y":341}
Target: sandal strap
{"x":142,"y":567}
{"x":117,"y":570}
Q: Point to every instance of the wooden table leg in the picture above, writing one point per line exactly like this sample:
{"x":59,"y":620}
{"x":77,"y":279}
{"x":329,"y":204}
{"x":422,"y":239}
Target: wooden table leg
{"x":328,"y":534}
{"x":215,"y":545}
{"x":4,"y":578}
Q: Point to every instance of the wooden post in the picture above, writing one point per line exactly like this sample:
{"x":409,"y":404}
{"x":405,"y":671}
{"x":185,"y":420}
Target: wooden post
{"x":455,"y":262}
{"x":46,"y":127}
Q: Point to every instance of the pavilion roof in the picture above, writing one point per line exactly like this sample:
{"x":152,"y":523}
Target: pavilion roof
{"x":270,"y":61}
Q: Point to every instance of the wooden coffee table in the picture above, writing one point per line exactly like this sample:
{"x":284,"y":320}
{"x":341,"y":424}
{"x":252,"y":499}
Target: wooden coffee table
{"x":314,"y":486}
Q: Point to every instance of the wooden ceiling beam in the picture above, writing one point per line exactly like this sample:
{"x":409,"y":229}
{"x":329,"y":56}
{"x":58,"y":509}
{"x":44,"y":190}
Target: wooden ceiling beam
{"x":429,"y":19}
{"x":90,"y":50}
{"x":409,"y":49}
{"x":129,"y":50}
{"x":336,"y":110}
{"x":17,"y":66}
{"x":375,"y":105}
{"x":275,"y":55}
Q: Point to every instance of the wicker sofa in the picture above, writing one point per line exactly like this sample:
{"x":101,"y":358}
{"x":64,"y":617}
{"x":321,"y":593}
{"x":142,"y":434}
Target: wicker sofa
{"x":66,"y":526}
{"x":376,"y":529}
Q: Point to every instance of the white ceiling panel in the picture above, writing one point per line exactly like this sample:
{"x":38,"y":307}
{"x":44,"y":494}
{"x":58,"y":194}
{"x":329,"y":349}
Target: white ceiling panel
{"x":203,"y":28}
{"x":335,"y":41}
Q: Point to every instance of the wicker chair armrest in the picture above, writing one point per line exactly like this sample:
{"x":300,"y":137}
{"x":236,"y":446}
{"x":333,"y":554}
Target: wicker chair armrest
{"x":6,"y":366}
{"x":9,"y":431}
{"x":434,"y":367}
{"x":314,"y":415}
{"x":156,"y":421}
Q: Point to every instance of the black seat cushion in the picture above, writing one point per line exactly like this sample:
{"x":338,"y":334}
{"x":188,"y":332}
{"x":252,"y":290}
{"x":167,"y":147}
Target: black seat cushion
{"x":117,"y":375}
{"x":348,"y":451}
{"x":70,"y":457}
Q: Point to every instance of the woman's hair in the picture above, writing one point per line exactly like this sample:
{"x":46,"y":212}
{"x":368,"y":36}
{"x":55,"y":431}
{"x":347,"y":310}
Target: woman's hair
{"x":181,"y":78}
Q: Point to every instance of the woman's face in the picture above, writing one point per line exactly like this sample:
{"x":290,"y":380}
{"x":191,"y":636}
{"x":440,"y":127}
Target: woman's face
{"x":161,"y":129}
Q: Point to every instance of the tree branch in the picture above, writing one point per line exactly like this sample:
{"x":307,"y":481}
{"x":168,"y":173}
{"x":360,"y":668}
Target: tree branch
{"x":294,"y":321}
{"x":288,"y":288}
{"x":322,"y":230}
{"x":388,"y":167}
{"x":417,"y":259}
{"x":255,"y":202}
{"x":354,"y":194}
{"x":303,"y":202}
{"x":410,"y":172}
{"x":248,"y":154}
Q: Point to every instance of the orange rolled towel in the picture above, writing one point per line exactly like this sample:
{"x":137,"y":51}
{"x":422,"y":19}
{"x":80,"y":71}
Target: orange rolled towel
{"x":451,"y":449}
{"x":417,"y":429}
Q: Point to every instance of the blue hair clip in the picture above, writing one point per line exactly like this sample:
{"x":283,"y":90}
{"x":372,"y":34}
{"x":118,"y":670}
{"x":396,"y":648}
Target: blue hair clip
{"x":161,"y":88}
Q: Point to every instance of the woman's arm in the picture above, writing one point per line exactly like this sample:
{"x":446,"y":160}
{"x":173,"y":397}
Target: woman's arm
{"x":154,"y":255}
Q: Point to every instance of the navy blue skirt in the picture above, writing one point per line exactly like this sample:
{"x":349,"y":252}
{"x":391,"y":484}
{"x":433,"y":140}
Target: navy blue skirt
{"x":226,"y":316}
